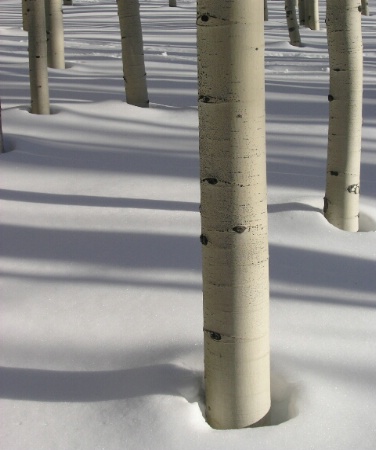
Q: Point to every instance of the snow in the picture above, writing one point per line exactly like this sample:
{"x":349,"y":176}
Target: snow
{"x":101,"y":302}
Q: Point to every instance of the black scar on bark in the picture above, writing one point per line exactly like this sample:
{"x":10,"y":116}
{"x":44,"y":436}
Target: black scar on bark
{"x":334,"y":173}
{"x":211,"y":180}
{"x":204,"y":240}
{"x":215,"y":336}
{"x":239,"y":229}
{"x":330,"y":97}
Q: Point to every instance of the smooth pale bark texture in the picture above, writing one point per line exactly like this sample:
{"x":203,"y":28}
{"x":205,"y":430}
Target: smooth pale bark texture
{"x":40,"y":101}
{"x":312,"y":14}
{"x":25,"y":20}
{"x":172,"y":3}
{"x":341,"y":202}
{"x":1,"y":132}
{"x":132,"y":53}
{"x":302,"y":12}
{"x":365,"y":8}
{"x":55,"y":34}
{"x":230,"y":39}
{"x":292,"y":23}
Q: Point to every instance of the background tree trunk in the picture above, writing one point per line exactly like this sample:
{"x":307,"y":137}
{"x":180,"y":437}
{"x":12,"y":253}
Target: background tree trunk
{"x":1,"y":132}
{"x":341,"y":203}
{"x":312,"y":14}
{"x":133,"y":53}
{"x":234,"y":211}
{"x":25,"y":19}
{"x":68,"y":2}
{"x":365,"y":9}
{"x":172,"y":3}
{"x":302,"y":12}
{"x":266,"y":11}
{"x":292,"y":23}
{"x":40,"y":102}
{"x":55,"y":34}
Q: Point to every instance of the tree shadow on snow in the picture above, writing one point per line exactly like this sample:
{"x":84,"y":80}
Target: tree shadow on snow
{"x":97,"y":201}
{"x":66,"y":386}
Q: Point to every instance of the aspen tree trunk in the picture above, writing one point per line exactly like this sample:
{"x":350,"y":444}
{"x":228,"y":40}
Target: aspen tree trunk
{"x":266,"y":11}
{"x":365,"y":9}
{"x":132,"y":53}
{"x":341,"y":202}
{"x":233,"y":211}
{"x":55,"y":34}
{"x":40,"y":102}
{"x":172,"y":3}
{"x":292,"y":23}
{"x":312,"y":14}
{"x":1,"y":132}
{"x":24,"y":14}
{"x":302,"y":12}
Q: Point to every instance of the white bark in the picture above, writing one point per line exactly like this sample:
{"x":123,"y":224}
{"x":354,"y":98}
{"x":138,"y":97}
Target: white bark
{"x":133,"y":53}
{"x":302,"y":12}
{"x":1,"y":133}
{"x":365,"y":8}
{"x":40,"y":102}
{"x":55,"y":34}
{"x":24,"y":15}
{"x":234,"y":211}
{"x":172,"y":3}
{"x":312,"y":14}
{"x":341,"y":203}
{"x":292,"y":23}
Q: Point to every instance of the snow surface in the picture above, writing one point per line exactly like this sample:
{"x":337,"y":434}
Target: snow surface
{"x":101,"y":320}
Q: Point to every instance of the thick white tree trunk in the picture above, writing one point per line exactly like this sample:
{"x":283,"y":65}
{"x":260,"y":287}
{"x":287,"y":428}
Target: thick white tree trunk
{"x":341,"y":203}
{"x":365,"y":8}
{"x":40,"y":102}
{"x":234,"y":211}
{"x":133,"y":53}
{"x":172,"y":3}
{"x":25,"y":19}
{"x":292,"y":23}
{"x":55,"y":34}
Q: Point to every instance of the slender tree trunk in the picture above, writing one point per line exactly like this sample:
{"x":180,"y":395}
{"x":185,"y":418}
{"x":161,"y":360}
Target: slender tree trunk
{"x":68,"y":2}
{"x":40,"y":102}
{"x":266,"y":11}
{"x":365,"y":9}
{"x":55,"y":34}
{"x":341,"y":202}
{"x":302,"y":12}
{"x":172,"y":3}
{"x":312,"y":14}
{"x":292,"y":23}
{"x":233,"y":211}
{"x":25,"y":19}
{"x":133,"y":53}
{"x":1,"y":132}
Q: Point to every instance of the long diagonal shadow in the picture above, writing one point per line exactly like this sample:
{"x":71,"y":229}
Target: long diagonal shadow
{"x":102,"y":202}
{"x":64,"y":386}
